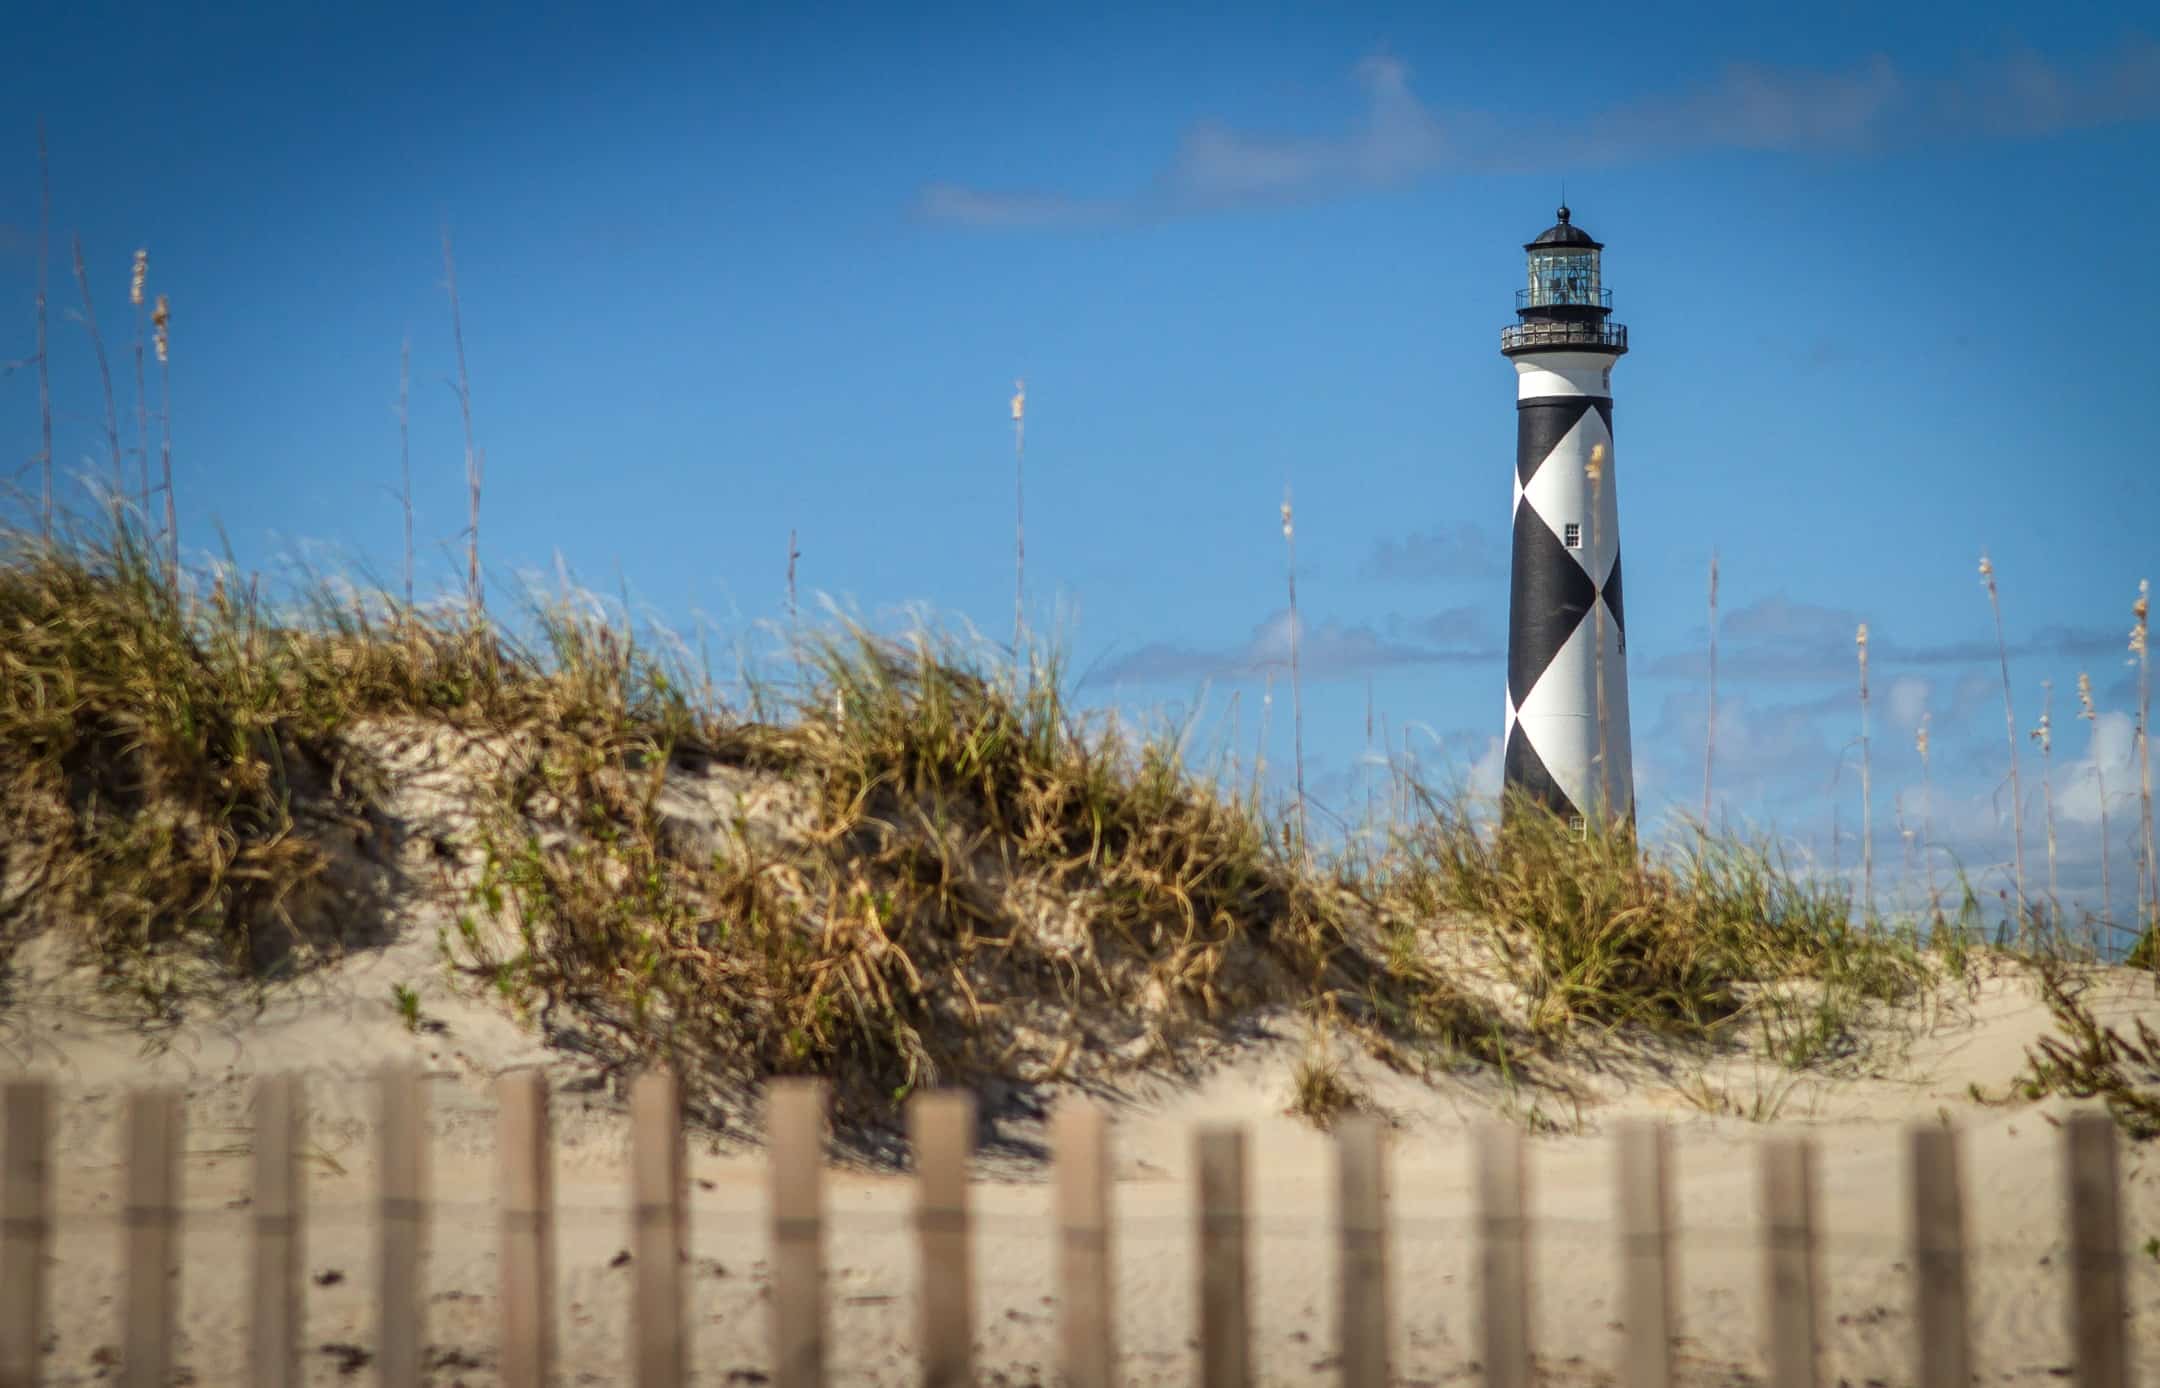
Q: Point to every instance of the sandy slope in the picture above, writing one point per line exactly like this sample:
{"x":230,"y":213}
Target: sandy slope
{"x":338,"y":1024}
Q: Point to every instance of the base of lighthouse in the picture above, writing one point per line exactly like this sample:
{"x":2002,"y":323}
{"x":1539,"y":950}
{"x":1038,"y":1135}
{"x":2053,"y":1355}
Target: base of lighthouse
{"x":1567,"y":744}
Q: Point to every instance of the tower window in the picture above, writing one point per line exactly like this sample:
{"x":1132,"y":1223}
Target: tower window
{"x":1572,"y":534}
{"x":1577,"y":827}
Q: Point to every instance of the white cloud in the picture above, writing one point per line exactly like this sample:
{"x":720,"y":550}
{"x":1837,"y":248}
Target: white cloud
{"x":1486,"y":771}
{"x":2107,"y":761}
{"x":1396,"y":136}
{"x":1326,"y":650}
{"x":1906,"y":699}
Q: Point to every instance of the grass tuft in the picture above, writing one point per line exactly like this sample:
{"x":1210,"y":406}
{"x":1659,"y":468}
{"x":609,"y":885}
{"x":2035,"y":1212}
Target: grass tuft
{"x":2086,"y":1059}
{"x":1594,"y":929}
{"x":1322,"y":1091}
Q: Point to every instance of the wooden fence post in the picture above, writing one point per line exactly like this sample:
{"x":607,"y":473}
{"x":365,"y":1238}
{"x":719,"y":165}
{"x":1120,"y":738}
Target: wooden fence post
{"x":1080,"y":1142}
{"x":1646,"y":1277}
{"x":1361,"y":1176}
{"x":2099,"y":1332}
{"x":150,"y":1248}
{"x":657,"y":1230}
{"x":1504,"y":1259}
{"x":795,"y":1147}
{"x":1788,"y":1179}
{"x":1938,"y":1232}
{"x":280,"y":1247}
{"x":25,"y":1226}
{"x":526,"y":1272}
{"x":944,"y":1138}
{"x":1225,"y":1304}
{"x":401,"y":1204}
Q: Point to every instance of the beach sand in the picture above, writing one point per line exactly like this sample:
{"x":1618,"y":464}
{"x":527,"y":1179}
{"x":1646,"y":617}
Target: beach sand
{"x":338,"y":1024}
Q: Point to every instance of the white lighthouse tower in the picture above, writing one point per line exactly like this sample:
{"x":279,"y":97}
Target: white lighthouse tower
{"x":1565,"y":591}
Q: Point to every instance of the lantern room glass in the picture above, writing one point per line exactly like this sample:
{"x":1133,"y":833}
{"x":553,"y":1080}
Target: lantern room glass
{"x":1564,"y":277}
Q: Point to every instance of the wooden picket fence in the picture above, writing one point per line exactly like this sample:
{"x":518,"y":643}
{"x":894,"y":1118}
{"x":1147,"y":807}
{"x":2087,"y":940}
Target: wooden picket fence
{"x":943,"y":1127}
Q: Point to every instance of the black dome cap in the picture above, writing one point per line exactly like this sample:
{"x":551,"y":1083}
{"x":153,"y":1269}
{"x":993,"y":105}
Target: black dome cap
{"x":1563,"y":233}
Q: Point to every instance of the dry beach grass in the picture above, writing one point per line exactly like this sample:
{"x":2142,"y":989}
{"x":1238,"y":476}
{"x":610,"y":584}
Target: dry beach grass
{"x":924,"y":868}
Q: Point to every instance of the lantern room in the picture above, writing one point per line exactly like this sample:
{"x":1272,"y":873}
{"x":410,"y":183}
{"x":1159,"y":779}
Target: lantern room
{"x":1564,"y":269}
{"x":1565,"y":304}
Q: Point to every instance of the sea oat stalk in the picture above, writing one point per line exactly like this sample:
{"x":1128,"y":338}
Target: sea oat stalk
{"x":2140,"y":646}
{"x":1019,"y":422}
{"x":475,"y":461}
{"x":1371,"y":806}
{"x":1297,"y":699}
{"x":793,"y":554}
{"x":1927,"y":821}
{"x":2044,"y":734}
{"x":138,"y":279}
{"x":2086,"y":712}
{"x":1906,"y":841}
{"x":1709,"y":746}
{"x":161,"y":338}
{"x":404,"y":426}
{"x":1867,"y":786}
{"x":2017,"y":803}
{"x":97,"y":345}
{"x":44,"y":354}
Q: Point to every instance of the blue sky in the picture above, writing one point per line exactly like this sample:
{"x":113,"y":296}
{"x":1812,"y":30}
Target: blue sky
{"x":728,"y":272}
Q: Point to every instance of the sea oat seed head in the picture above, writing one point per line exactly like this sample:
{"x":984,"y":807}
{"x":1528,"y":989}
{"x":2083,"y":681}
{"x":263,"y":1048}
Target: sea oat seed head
{"x":1286,"y":520}
{"x":1920,"y":742}
{"x":1861,"y":639}
{"x":135,"y":282}
{"x":2085,"y":696}
{"x":160,"y":318}
{"x":1019,"y":400}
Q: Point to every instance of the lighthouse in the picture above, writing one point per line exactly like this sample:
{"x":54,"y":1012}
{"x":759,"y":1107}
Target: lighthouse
{"x":1567,"y":708}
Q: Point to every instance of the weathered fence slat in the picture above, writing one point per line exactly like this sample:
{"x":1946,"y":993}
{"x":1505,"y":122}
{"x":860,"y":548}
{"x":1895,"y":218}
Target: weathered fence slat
{"x":401,"y":1200}
{"x":279,"y":1207}
{"x":2099,"y":1329}
{"x":1503,"y":1256}
{"x":942,"y":1129}
{"x":1080,"y":1139}
{"x":944,"y":1138}
{"x":1646,"y":1275}
{"x":1225,"y":1305}
{"x":527,"y":1267}
{"x":1790,"y":1277}
{"x":1938,"y":1234}
{"x":25,"y":1225}
{"x":795,"y":1145}
{"x":1361,"y":1209}
{"x":151,"y":1229}
{"x":658,"y":1226}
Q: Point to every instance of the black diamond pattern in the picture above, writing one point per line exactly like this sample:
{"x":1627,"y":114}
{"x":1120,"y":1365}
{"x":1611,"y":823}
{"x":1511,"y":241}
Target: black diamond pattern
{"x":1540,"y":424}
{"x":1523,"y":768}
{"x":1549,"y":597}
{"x":1612,"y":594}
